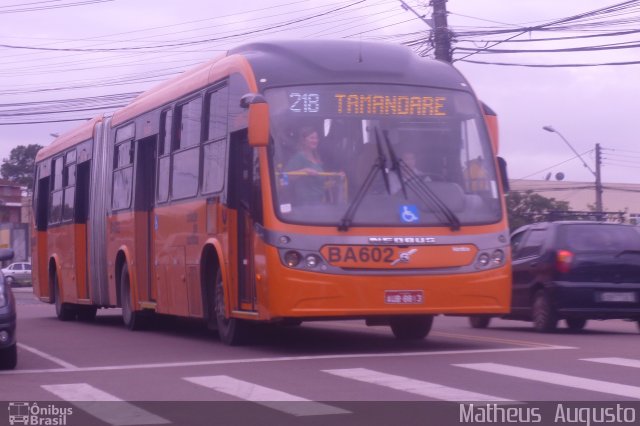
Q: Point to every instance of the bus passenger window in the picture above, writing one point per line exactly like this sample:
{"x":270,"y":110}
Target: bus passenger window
{"x":163,"y":178}
{"x":166,"y":119}
{"x":189,"y":117}
{"x":215,"y":148}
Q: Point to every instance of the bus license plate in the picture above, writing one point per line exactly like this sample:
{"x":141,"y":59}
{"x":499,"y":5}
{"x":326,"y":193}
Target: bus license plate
{"x":411,"y":297}
{"x":626,"y":296}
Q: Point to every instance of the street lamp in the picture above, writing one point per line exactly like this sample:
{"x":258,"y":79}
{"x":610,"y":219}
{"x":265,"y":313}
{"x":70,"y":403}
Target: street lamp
{"x":596,"y":174}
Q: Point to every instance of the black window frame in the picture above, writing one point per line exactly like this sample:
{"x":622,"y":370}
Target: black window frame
{"x":124,"y":138}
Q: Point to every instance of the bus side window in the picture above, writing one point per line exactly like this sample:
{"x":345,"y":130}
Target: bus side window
{"x":164,"y":159}
{"x":55,"y":209}
{"x":123,"y":167}
{"x":214,"y":149}
{"x":185,"y":165}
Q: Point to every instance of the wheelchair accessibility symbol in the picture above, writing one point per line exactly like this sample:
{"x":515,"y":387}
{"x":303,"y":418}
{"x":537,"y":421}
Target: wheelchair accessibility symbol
{"x":409,"y":213}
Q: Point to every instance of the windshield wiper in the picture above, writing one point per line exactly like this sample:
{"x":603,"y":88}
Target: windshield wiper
{"x":423,"y":191}
{"x":380,"y":165}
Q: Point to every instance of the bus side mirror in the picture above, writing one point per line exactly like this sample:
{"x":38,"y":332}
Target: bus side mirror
{"x":491,"y":119}
{"x":502,"y":169}
{"x":258,"y":118}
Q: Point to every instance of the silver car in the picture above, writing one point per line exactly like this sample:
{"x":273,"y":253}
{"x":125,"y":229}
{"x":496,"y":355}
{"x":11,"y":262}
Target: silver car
{"x":17,"y":273}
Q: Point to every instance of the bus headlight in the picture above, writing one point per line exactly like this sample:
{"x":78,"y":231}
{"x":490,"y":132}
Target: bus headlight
{"x":292,"y":258}
{"x":3,"y":295}
{"x":483,"y":260}
{"x":497,"y":257}
{"x":312,"y":261}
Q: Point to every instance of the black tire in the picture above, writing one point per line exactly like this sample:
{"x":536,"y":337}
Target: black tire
{"x":87,"y":313}
{"x":414,"y":327}
{"x":133,"y":320}
{"x":575,"y":324}
{"x":9,"y":357}
{"x":479,"y":321}
{"x":10,"y":281}
{"x":232,"y":331}
{"x":64,"y":311}
{"x":543,"y":314}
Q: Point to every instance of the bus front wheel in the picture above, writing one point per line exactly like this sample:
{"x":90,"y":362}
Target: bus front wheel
{"x":133,"y":320}
{"x":232,"y":331}
{"x":413,"y":327}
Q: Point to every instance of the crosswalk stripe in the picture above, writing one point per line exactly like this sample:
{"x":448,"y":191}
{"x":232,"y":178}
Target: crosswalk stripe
{"x":417,"y":387}
{"x":91,"y":400}
{"x":557,"y":379}
{"x":268,"y":397}
{"x":624,"y":362}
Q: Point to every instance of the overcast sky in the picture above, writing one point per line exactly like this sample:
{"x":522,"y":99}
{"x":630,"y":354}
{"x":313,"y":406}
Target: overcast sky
{"x":587,"y":105}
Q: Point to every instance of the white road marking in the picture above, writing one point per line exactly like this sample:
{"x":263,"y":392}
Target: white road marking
{"x":272,"y":398}
{"x":277,"y":359}
{"x":91,"y":400}
{"x":624,"y":362}
{"x":557,"y":379}
{"x":418,"y":387}
{"x":51,"y":358}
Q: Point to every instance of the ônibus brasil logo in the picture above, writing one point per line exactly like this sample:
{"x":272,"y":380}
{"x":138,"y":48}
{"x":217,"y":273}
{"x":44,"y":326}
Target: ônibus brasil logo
{"x":32,"y":414}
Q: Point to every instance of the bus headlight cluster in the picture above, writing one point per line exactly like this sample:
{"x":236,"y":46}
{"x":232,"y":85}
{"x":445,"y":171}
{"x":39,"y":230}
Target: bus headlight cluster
{"x":493,"y":259}
{"x":294,"y":259}
{"x":3,"y":297}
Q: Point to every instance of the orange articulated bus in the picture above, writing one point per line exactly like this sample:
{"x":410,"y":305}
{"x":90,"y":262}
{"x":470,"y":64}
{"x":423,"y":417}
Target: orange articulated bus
{"x":281,"y":182}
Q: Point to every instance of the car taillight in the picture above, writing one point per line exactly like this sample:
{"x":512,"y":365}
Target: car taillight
{"x":563,"y":261}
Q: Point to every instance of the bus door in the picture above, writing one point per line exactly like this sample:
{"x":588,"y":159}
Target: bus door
{"x":242,"y":198}
{"x":145,"y":190}
{"x":40,"y":263}
{"x":81,"y":215}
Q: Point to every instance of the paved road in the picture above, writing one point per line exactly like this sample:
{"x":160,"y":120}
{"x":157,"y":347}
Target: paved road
{"x":312,"y":371}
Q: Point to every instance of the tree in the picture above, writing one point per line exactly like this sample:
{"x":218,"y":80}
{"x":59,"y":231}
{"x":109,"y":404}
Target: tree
{"x":528,"y":207}
{"x":20,"y":165}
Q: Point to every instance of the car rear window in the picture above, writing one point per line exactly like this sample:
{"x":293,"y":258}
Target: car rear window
{"x":597,"y":237}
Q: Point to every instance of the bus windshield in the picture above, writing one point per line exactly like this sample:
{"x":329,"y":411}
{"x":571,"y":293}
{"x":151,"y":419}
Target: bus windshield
{"x":333,"y":148}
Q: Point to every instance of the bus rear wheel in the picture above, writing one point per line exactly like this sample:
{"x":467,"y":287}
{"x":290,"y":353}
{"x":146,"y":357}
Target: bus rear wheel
{"x":64,"y":311}
{"x":479,"y":321}
{"x":413,"y":327}
{"x":232,"y":331}
{"x":133,"y":320}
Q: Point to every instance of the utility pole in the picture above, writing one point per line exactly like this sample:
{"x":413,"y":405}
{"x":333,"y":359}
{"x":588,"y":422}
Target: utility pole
{"x":598,"y":179}
{"x":441,"y":34}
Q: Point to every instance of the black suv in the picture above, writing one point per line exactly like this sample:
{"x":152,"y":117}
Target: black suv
{"x":573,"y":270}
{"x":8,"y":349}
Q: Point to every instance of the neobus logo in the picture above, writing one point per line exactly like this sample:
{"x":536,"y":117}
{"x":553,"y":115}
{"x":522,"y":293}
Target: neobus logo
{"x":402,"y":240}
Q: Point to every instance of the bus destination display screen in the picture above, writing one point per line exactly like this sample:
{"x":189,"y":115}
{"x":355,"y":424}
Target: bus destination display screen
{"x":346,"y":103}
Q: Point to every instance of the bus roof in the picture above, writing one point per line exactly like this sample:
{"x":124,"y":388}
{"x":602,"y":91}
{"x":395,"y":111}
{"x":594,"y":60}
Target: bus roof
{"x":293,"y":62}
{"x":286,"y":63}
{"x":76,"y":135}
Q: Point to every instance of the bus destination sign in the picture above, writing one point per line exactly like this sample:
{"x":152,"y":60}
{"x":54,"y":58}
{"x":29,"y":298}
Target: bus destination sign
{"x":353,"y":104}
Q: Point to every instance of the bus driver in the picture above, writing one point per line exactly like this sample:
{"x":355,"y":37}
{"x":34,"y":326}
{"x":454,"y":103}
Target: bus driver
{"x":305,"y":167}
